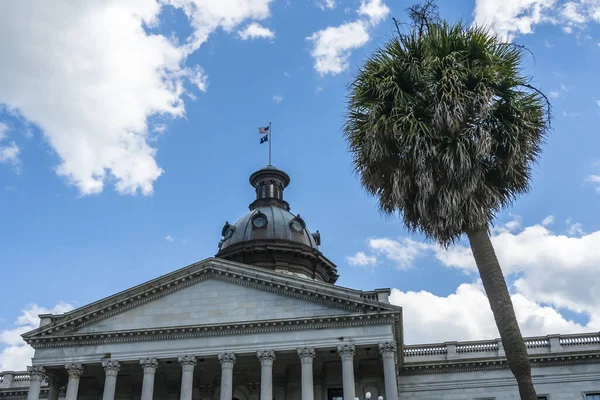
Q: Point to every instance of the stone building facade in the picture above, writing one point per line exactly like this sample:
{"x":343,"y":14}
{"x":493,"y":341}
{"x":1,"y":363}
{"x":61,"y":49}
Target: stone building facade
{"x":263,"y":319}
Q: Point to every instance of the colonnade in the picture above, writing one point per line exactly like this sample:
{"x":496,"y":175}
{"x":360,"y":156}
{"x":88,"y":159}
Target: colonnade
{"x":227,"y":361}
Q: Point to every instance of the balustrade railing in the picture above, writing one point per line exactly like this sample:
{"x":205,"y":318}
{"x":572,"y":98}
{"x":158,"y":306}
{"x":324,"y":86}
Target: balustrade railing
{"x":493,"y":348}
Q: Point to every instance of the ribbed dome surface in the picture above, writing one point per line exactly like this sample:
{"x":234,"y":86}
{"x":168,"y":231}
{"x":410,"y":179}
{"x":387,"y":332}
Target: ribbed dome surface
{"x":278,"y":227}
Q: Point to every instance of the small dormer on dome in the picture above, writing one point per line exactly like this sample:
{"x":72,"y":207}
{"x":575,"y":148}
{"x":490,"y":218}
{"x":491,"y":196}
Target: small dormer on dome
{"x":272,"y":237}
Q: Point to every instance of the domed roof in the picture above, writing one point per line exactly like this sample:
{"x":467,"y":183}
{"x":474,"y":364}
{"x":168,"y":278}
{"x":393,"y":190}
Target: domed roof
{"x":271,"y":236}
{"x":268,"y":222}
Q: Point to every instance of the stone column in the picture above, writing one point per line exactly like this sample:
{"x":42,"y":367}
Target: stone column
{"x":346,"y":351}
{"x":187,"y":376}
{"x":149,"y":365}
{"x":266,"y":358}
{"x":75,"y":371}
{"x":111,"y":370}
{"x":388,"y":353}
{"x":307,"y":354}
{"x":36,"y":374}
{"x":227,"y":360}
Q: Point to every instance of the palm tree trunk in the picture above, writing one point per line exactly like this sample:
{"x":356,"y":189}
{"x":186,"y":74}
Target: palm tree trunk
{"x":502,"y":308}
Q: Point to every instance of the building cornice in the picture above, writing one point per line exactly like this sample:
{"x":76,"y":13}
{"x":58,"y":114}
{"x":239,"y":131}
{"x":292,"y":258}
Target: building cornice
{"x":230,"y":328}
{"x":548,"y":360}
{"x":326,"y":294}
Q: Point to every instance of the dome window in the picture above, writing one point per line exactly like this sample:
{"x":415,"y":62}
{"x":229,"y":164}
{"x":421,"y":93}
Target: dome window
{"x":227,"y":230}
{"x":259,"y":221}
{"x":297,"y":224}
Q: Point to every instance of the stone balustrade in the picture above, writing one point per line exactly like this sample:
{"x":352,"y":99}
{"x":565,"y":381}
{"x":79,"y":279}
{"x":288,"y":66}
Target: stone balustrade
{"x":493,"y":348}
{"x":16,"y":379}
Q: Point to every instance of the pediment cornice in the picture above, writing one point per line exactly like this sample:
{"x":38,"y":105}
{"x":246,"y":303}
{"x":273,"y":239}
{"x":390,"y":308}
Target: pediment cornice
{"x":332,"y":296}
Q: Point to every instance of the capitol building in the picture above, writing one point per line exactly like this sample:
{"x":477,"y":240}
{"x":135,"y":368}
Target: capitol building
{"x":264,"y":319}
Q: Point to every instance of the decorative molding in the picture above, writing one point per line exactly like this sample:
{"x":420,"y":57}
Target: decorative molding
{"x":266,"y":357}
{"x":149,"y":364}
{"x":346,"y":351}
{"x":226,"y":359}
{"x":36,"y":372}
{"x":111,"y":367}
{"x":387,"y":349}
{"x":346,"y":299}
{"x":187,"y":360}
{"x":74,"y":370}
{"x":306,"y":353}
{"x":229,"y":328}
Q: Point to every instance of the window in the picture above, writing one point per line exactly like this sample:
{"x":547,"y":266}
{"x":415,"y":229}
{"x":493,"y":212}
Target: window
{"x":259,"y":220}
{"x":592,"y":396}
{"x":543,"y":397}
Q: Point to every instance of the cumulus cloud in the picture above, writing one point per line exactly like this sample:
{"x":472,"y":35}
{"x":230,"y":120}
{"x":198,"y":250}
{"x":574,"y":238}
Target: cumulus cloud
{"x":9,"y":152}
{"x":103,"y":75}
{"x":333,"y":45}
{"x":466,"y":315}
{"x":169,"y":238}
{"x":549,"y":271}
{"x":277,"y":98}
{"x":594,"y":179}
{"x":361,"y":259}
{"x":512,"y":18}
{"x":256,"y":31}
{"x":15,"y":354}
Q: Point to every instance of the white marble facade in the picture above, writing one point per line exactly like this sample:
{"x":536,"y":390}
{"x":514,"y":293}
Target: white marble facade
{"x":219,"y":330}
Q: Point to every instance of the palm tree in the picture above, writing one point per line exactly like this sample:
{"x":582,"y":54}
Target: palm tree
{"x":444,"y":128}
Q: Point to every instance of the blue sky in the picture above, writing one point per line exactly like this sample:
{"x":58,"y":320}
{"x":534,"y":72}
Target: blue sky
{"x":128,"y":131}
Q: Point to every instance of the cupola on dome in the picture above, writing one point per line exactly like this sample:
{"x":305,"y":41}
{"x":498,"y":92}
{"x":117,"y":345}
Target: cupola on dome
{"x":270,"y":236}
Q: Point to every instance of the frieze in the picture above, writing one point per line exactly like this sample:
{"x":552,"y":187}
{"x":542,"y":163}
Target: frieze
{"x":216,"y":330}
{"x":272,"y":284}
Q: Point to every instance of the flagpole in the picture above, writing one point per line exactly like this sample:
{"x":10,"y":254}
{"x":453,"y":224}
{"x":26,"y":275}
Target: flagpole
{"x":270,"y":140}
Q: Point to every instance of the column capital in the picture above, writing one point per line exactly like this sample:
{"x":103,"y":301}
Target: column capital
{"x":387,"y":349}
{"x":111,"y":367}
{"x":226,"y":359}
{"x":149,"y":364}
{"x":36,"y":372}
{"x":266,"y":357}
{"x":74,"y":370}
{"x":187,"y":360}
{"x":346,"y":350}
{"x":306,"y":353}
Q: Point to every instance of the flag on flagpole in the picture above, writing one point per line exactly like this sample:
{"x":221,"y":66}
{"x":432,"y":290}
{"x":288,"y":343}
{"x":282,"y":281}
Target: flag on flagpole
{"x":264,"y":130}
{"x":264,"y":139}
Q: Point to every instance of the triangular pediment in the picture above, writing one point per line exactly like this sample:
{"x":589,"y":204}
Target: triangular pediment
{"x":210,"y":292}
{"x":213,"y":301}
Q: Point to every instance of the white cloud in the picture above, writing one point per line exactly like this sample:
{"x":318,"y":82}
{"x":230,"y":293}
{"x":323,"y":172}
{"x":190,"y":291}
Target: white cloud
{"x":546,"y":268}
{"x":374,"y":10}
{"x":466,"y":315}
{"x":598,"y":101}
{"x":401,"y":252}
{"x":332,"y":46}
{"x":277,"y":98}
{"x":512,"y":18}
{"x":9,"y":153}
{"x":103,"y":76}
{"x":326,"y":4}
{"x":595,"y":179}
{"x":169,"y":238}
{"x":549,"y":220}
{"x":15,"y":354}
{"x":256,"y":31}
{"x":361,"y":259}
{"x":555,"y":95}
{"x":575,"y":229}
